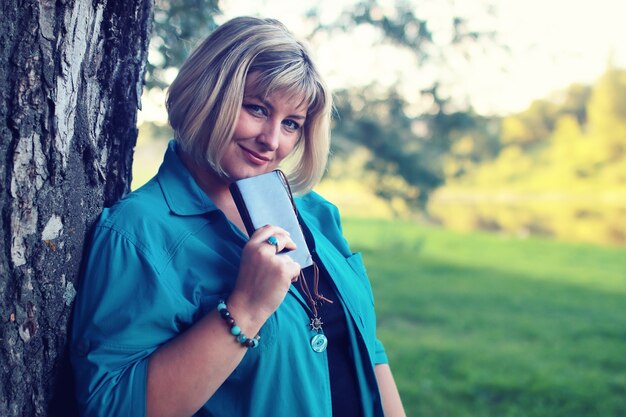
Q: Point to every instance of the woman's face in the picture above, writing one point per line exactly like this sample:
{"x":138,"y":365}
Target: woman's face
{"x":266,"y":131}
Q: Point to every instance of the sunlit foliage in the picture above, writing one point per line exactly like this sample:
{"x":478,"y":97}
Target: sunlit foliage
{"x":563,"y":159}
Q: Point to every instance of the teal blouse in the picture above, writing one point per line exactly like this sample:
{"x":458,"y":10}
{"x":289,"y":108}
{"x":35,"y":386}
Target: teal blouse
{"x":160,"y":259}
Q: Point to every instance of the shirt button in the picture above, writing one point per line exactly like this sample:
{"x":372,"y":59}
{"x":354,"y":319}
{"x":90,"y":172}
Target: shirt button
{"x":319,"y":343}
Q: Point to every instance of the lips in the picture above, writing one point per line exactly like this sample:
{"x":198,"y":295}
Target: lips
{"x":254,"y":157}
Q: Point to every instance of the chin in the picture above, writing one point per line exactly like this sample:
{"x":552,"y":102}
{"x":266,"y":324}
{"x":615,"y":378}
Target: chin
{"x":248,"y":172}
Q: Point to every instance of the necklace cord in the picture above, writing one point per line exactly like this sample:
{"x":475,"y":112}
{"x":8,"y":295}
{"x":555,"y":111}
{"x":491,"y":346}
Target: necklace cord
{"x":316,"y":298}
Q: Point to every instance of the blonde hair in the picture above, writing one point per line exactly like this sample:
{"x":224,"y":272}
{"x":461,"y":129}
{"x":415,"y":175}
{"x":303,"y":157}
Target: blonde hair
{"x":204,"y":100}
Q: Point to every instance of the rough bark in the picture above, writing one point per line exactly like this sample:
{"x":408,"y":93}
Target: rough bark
{"x":71,"y":75}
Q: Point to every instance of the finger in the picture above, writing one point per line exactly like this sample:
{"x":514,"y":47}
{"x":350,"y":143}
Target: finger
{"x":286,"y":244}
{"x":274,"y":236}
{"x":263,"y":233}
{"x":293,"y":270}
{"x":281,"y":243}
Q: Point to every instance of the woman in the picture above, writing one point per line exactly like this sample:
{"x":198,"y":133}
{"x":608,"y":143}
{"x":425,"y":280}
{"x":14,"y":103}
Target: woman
{"x":182,"y":313}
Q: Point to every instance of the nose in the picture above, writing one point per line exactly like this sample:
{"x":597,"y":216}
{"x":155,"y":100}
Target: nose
{"x":269,"y":136}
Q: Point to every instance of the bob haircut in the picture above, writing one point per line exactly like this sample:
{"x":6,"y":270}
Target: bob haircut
{"x":204,"y":100}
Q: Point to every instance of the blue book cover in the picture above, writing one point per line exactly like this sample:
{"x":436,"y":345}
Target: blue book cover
{"x":266,"y":199}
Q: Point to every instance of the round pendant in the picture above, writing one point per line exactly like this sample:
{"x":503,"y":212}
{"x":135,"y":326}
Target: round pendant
{"x":319,"y":343}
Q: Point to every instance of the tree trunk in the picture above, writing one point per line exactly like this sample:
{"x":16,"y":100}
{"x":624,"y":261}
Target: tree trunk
{"x":71,"y":76}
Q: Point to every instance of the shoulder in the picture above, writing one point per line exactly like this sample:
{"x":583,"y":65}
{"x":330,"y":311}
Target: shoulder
{"x":316,"y":205}
{"x":144,"y":220}
{"x":135,"y":210}
{"x":322,"y":218}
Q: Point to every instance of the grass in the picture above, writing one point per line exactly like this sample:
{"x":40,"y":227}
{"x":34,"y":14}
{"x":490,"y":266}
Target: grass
{"x":482,"y":325}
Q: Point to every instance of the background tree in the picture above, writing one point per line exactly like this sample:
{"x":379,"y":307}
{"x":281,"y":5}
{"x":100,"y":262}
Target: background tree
{"x":406,"y":153}
{"x":607,"y":116}
{"x":575,"y":138}
{"x":405,"y":146}
{"x":178,"y":26}
{"x":70,"y":83}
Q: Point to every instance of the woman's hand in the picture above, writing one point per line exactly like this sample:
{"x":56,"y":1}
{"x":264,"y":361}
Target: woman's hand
{"x":264,"y":277}
{"x":181,"y":375}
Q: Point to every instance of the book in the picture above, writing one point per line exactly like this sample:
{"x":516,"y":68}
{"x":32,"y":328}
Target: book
{"x":266,"y":199}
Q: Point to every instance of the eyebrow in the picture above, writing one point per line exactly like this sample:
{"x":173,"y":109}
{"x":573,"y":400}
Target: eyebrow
{"x":269,"y":105}
{"x":297,"y":116}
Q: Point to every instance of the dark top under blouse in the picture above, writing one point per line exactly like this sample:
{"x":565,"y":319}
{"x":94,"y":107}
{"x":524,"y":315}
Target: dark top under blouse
{"x":343,"y":380}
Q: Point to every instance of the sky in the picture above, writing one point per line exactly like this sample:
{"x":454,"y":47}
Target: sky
{"x":551,"y":44}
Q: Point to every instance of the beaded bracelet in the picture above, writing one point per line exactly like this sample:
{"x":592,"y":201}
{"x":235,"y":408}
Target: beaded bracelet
{"x":236,"y":330}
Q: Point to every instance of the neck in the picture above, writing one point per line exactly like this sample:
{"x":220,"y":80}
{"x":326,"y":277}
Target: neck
{"x":215,"y":187}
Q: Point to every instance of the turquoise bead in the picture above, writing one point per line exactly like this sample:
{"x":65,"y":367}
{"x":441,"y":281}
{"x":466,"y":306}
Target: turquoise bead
{"x":241,"y":338}
{"x":221,"y":306}
{"x":235,"y":330}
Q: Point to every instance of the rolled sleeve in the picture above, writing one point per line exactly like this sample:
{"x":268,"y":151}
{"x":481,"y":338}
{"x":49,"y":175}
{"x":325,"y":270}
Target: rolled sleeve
{"x":380,"y":356}
{"x":116,"y":326}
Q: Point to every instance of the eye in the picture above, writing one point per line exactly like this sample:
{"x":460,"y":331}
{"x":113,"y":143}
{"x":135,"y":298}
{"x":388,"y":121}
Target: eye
{"x":255,"y":109}
{"x":291,"y":125}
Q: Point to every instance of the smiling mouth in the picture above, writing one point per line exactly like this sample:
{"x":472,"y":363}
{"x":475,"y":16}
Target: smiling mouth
{"x":255,"y":157}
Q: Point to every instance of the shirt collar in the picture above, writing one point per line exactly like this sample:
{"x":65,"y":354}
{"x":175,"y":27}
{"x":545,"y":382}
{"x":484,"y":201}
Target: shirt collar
{"x":182,"y":194}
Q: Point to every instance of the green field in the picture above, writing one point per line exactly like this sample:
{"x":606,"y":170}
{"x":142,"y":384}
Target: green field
{"x":485,"y":325}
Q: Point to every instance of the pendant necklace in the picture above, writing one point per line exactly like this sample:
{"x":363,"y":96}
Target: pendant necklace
{"x":319,"y":341}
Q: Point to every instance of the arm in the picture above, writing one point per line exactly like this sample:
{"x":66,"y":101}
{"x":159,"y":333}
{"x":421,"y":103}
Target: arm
{"x":392,"y":404}
{"x":185,"y":372}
